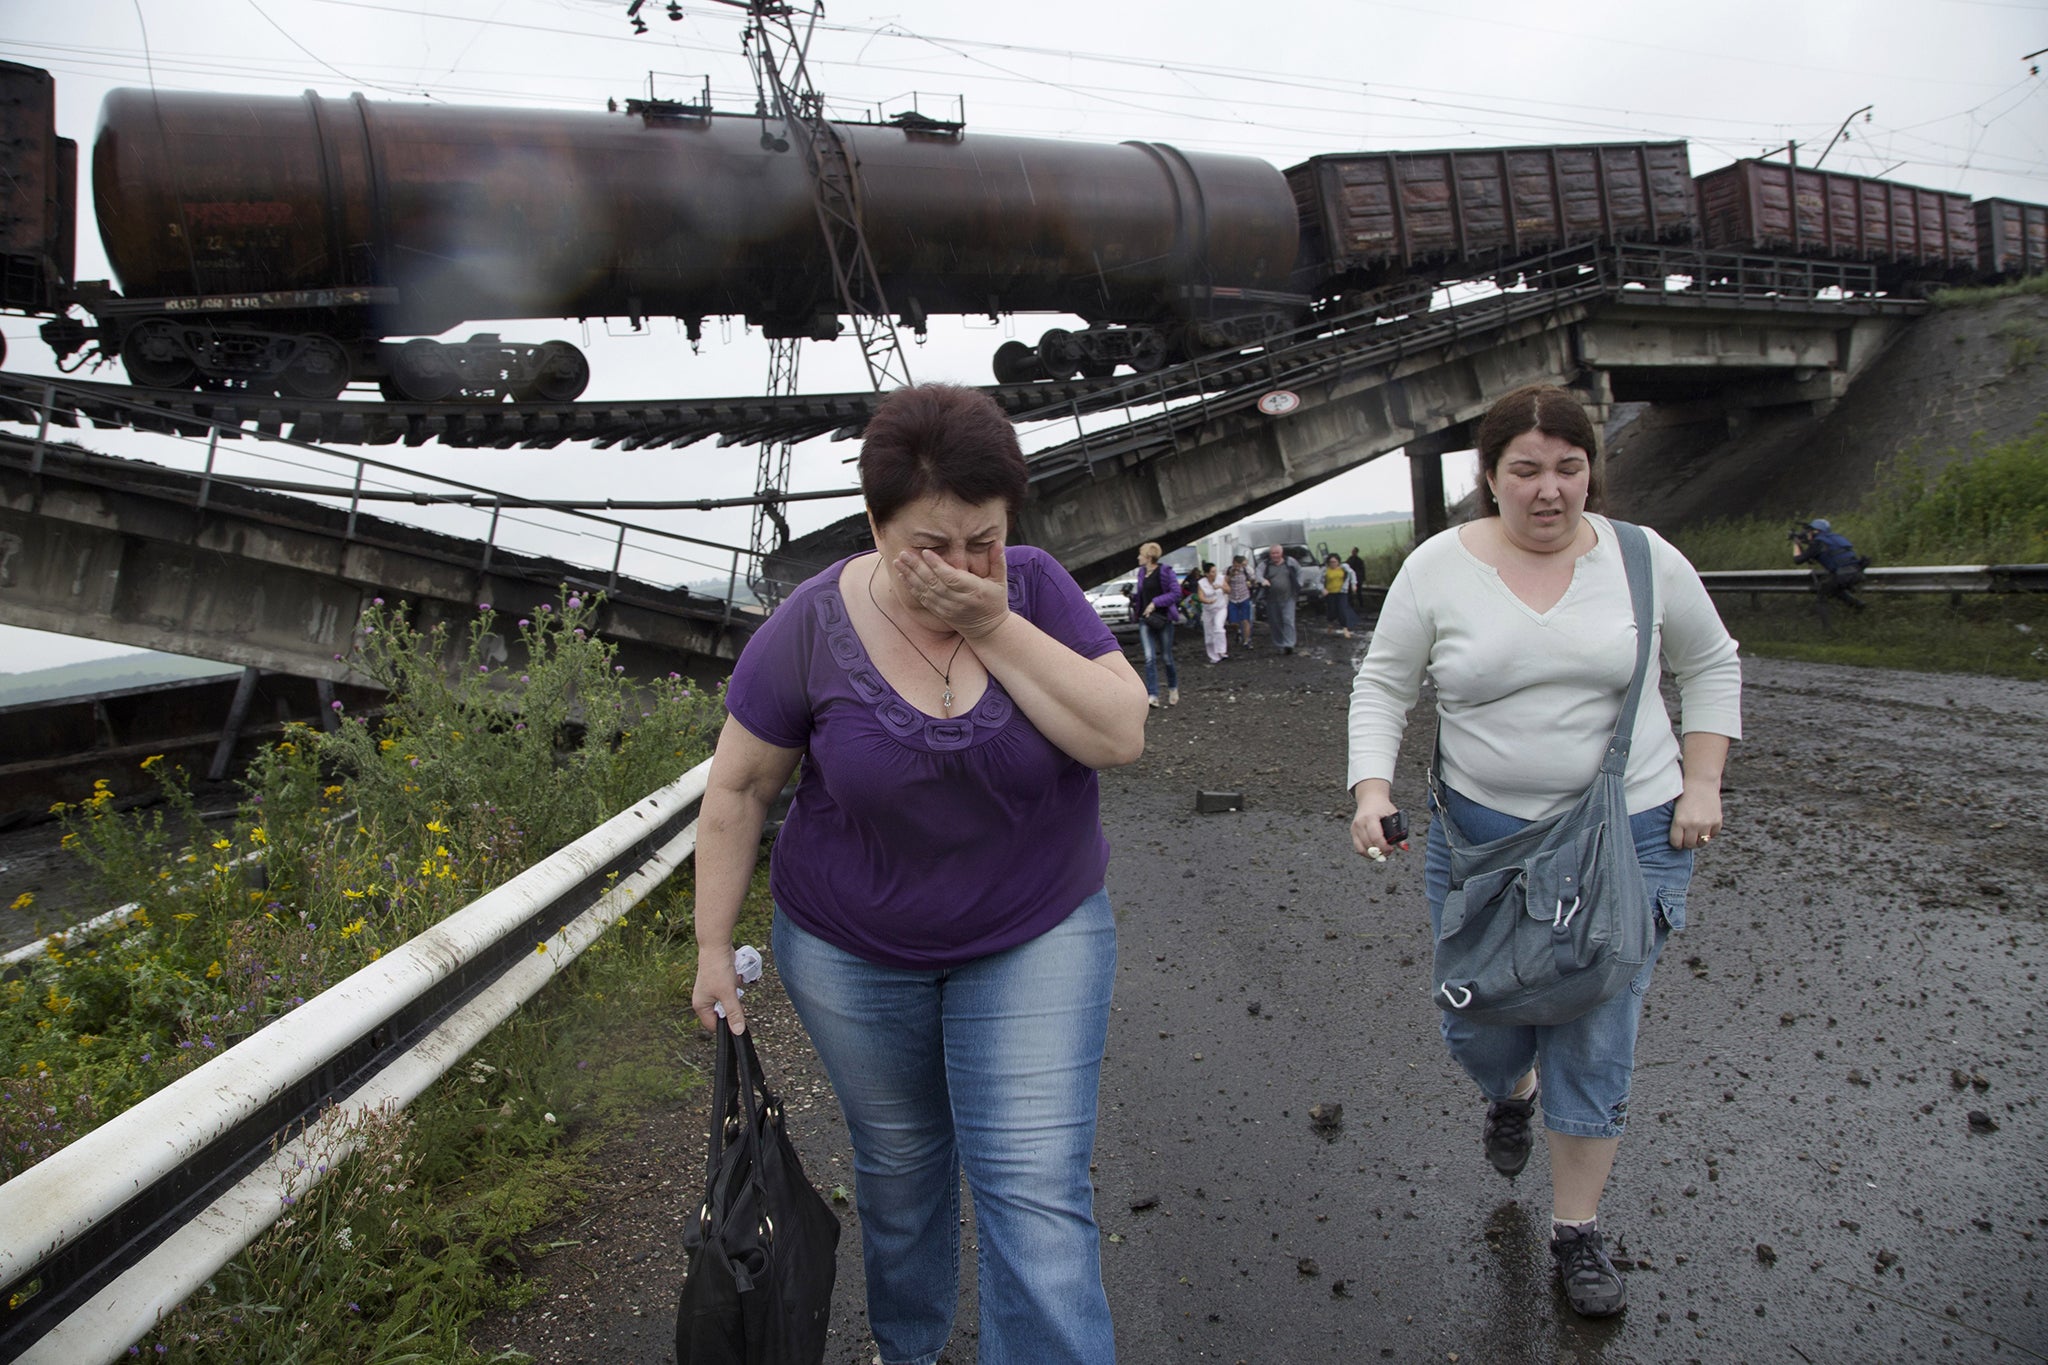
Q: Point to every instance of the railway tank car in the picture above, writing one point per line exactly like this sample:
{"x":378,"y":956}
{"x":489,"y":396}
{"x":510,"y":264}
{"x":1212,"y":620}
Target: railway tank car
{"x":279,"y":242}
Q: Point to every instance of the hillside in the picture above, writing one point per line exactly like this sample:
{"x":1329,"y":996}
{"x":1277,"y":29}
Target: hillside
{"x":103,"y":675}
{"x":1956,"y":374}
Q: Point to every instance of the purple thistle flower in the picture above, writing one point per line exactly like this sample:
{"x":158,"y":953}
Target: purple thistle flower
{"x":376,"y":601}
{"x":579,"y":632}
{"x":483,"y":606}
{"x":546,"y":607}
{"x":618,"y":668}
{"x":334,"y":705}
{"x":575,"y":603}
{"x":524,"y":623}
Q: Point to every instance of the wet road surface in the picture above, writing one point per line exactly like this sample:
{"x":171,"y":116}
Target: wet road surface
{"x":1803,"y":1177}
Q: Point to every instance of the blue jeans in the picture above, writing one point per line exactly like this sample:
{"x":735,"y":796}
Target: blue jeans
{"x":1585,"y":1066}
{"x":1158,"y":644}
{"x":991,"y":1067}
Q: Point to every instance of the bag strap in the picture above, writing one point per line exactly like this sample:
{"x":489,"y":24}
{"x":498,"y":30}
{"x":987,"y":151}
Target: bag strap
{"x":1642,"y":596}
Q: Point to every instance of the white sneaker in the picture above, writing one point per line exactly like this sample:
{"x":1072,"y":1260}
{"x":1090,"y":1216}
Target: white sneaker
{"x":1173,"y":696}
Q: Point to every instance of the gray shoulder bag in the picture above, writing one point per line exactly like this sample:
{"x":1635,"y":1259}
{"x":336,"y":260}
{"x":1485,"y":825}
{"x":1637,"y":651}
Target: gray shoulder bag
{"x":1542,"y":925}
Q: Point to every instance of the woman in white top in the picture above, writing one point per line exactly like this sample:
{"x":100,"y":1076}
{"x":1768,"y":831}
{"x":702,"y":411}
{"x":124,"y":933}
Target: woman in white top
{"x":1522,"y":620}
{"x":1215,"y":601}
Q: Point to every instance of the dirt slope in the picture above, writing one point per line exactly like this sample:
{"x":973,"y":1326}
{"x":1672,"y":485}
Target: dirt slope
{"x":1957,"y":373}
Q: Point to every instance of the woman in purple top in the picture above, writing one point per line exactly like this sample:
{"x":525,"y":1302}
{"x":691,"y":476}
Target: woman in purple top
{"x":940,"y":918}
{"x":1155,"y":605}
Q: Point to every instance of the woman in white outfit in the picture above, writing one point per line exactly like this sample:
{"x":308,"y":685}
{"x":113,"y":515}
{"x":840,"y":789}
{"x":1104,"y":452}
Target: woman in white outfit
{"x":1215,"y":602}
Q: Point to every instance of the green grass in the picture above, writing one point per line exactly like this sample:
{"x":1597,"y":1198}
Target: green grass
{"x":1383,"y":544}
{"x":350,"y":843}
{"x":1970,"y":296}
{"x":2003,"y":636}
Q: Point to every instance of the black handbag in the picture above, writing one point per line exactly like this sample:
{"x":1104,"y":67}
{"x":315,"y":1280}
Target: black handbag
{"x":763,"y":1247}
{"x":1543,"y":924}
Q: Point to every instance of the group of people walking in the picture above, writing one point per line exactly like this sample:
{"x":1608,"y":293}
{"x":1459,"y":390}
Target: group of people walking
{"x":941,"y":922}
{"x":1220,"y":599}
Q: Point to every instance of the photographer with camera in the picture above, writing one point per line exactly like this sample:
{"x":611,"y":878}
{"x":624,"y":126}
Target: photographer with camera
{"x":1837,"y":568}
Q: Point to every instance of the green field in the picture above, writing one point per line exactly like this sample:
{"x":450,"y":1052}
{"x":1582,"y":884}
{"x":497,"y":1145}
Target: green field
{"x":1383,"y":543}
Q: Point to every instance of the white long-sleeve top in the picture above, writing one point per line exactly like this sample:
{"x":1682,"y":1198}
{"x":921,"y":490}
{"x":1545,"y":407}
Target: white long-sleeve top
{"x":1527,"y":699}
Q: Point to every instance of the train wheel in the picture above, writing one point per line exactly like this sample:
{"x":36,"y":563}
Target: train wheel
{"x":1150,"y":351}
{"x":1092,"y":368}
{"x":155,"y":357}
{"x":560,"y":374}
{"x":1016,"y":363}
{"x":319,"y":371}
{"x":1059,"y":355}
{"x":422,"y":371}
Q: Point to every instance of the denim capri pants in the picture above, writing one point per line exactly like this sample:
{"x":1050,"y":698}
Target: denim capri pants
{"x":1585,"y":1066}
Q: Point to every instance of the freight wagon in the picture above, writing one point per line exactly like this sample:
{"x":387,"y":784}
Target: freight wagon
{"x":2012,"y":239}
{"x":1916,"y":235}
{"x":1374,"y":219}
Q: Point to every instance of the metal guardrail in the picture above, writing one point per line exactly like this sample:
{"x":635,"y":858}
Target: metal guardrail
{"x":102,"y":1237}
{"x":1930,"y":578}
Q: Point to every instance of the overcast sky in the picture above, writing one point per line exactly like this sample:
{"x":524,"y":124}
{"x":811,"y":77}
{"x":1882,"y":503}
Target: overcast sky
{"x":1953,"y":106}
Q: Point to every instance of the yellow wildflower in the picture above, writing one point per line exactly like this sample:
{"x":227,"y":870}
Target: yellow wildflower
{"x":353,"y":894}
{"x":353,"y":927}
{"x":151,"y":761}
{"x":22,"y":902}
{"x":376,"y":953}
{"x":440,"y":850}
{"x":184,"y":915}
{"x":222,"y":844}
{"x":385,"y":746}
{"x":285,"y":746}
{"x":540,"y":947}
{"x":213,"y":969}
{"x":257,"y":836}
{"x":330,"y":793}
{"x":67,"y":841}
{"x":57,"y":808}
{"x":436,"y":827}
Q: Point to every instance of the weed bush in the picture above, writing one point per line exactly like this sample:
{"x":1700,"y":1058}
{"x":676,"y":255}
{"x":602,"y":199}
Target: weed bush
{"x":348,"y":843}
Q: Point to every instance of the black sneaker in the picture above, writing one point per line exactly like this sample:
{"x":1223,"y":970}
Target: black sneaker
{"x":1507,"y":1134}
{"x":1591,"y":1282}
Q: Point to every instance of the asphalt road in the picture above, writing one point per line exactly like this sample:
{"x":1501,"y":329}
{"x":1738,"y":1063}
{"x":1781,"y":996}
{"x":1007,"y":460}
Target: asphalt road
{"x":1802,"y":1179}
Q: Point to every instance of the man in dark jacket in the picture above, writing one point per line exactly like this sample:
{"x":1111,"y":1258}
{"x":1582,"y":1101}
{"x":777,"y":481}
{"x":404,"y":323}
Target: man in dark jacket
{"x":1837,"y":567}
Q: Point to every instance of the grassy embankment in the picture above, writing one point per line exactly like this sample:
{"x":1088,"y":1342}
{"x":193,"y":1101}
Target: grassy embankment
{"x":1382,"y":544}
{"x":361,"y":839}
{"x":1989,"y":509}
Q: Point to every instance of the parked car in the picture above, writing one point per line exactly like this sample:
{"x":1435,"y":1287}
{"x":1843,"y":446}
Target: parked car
{"x":1112,"y":600}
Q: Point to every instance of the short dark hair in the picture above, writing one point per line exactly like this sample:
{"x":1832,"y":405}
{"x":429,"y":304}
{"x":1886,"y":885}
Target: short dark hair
{"x":931,"y":439}
{"x":1537,"y":407}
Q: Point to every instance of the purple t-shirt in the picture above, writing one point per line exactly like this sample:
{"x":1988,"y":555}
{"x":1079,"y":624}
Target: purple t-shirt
{"x":916,"y":841}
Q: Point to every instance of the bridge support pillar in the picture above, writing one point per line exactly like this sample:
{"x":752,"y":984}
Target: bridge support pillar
{"x":1426,"y":476}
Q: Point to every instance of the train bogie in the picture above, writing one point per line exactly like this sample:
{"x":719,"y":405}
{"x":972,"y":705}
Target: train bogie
{"x":1770,"y":206}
